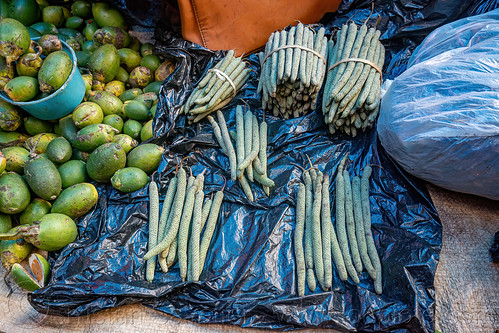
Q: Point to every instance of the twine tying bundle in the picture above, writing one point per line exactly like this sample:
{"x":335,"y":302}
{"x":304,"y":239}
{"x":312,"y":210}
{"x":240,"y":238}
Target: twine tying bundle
{"x":217,"y":88}
{"x":352,"y":91}
{"x":293,"y":67}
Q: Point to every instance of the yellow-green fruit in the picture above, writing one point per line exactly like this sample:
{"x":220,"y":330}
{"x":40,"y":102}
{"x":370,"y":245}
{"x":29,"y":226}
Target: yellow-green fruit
{"x":109,"y":103}
{"x":33,"y":33}
{"x":81,"y":9}
{"x":148,"y":98}
{"x":14,"y":251}
{"x":10,"y":139}
{"x":71,"y":41}
{"x":146,"y":132}
{"x":38,"y":143}
{"x":126,"y":142}
{"x":98,"y":85}
{"x":80,"y":38}
{"x":67,"y":127}
{"x":146,"y":49}
{"x":38,"y":277}
{"x":59,"y":150}
{"x":90,"y":45}
{"x":43,"y":178}
{"x":4,"y":9}
{"x":130,"y":94}
{"x":74,"y":22}
{"x":22,"y":88}
{"x":153,"y":87}
{"x":3,"y":162}
{"x":129,"y":59}
{"x":105,"y":15}
{"x":55,"y":71}
{"x":87,"y":113}
{"x":147,"y":157}
{"x":14,"y":39}
{"x":113,"y":35}
{"x":15,"y":158}
{"x":25,"y":11}
{"x":45,"y":28}
{"x":15,"y":195}
{"x":6,"y":72}
{"x":136,"y":110}
{"x":35,"y":211}
{"x":104,"y":63}
{"x":104,"y":161}
{"x":87,"y":78}
{"x":76,"y":200}
{"x":55,"y":231}
{"x":29,"y":65}
{"x":140,"y":77}
{"x":10,"y":118}
{"x":129,"y":179}
{"x":54,"y":15}
{"x":136,"y":44}
{"x":122,"y":75}
{"x":90,"y":137}
{"x":152,"y":110}
{"x":82,"y":58}
{"x":89,"y":30}
{"x":40,"y":268}
{"x":132,"y":128}
{"x":150,"y":61}
{"x":67,"y":13}
{"x":5,"y":223}
{"x":49,"y":44}
{"x":114,"y":120}
{"x":79,"y":155}
{"x":115,"y":87}
{"x":34,"y":126}
{"x":73,"y":172}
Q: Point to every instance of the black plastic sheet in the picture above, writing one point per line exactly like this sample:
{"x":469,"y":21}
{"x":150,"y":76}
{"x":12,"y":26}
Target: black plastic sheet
{"x":249,"y":277}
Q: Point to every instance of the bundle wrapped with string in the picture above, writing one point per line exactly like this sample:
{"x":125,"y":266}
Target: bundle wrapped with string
{"x":292,"y":71}
{"x":352,"y":90}
{"x":216,"y":88}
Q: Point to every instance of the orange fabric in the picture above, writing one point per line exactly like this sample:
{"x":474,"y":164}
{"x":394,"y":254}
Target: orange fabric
{"x":245,"y":25}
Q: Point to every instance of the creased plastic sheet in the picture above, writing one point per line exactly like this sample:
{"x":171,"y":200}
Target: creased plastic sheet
{"x":439,"y":119}
{"x":249,"y":277}
{"x":404,"y":24}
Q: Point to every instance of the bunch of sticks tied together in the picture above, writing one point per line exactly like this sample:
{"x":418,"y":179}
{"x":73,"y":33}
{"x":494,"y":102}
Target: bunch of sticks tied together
{"x":216,"y":88}
{"x":352,"y":90}
{"x":292,"y":70}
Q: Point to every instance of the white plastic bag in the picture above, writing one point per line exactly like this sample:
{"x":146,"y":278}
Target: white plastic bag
{"x":440,"y":118}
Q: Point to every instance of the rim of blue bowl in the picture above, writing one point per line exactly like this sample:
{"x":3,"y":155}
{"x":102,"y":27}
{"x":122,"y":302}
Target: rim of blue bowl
{"x":55,"y":93}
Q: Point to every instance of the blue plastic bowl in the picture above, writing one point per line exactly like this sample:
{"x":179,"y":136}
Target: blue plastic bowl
{"x":62,"y":101}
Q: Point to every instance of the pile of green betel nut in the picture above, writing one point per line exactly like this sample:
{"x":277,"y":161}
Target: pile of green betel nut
{"x":48,"y":167}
